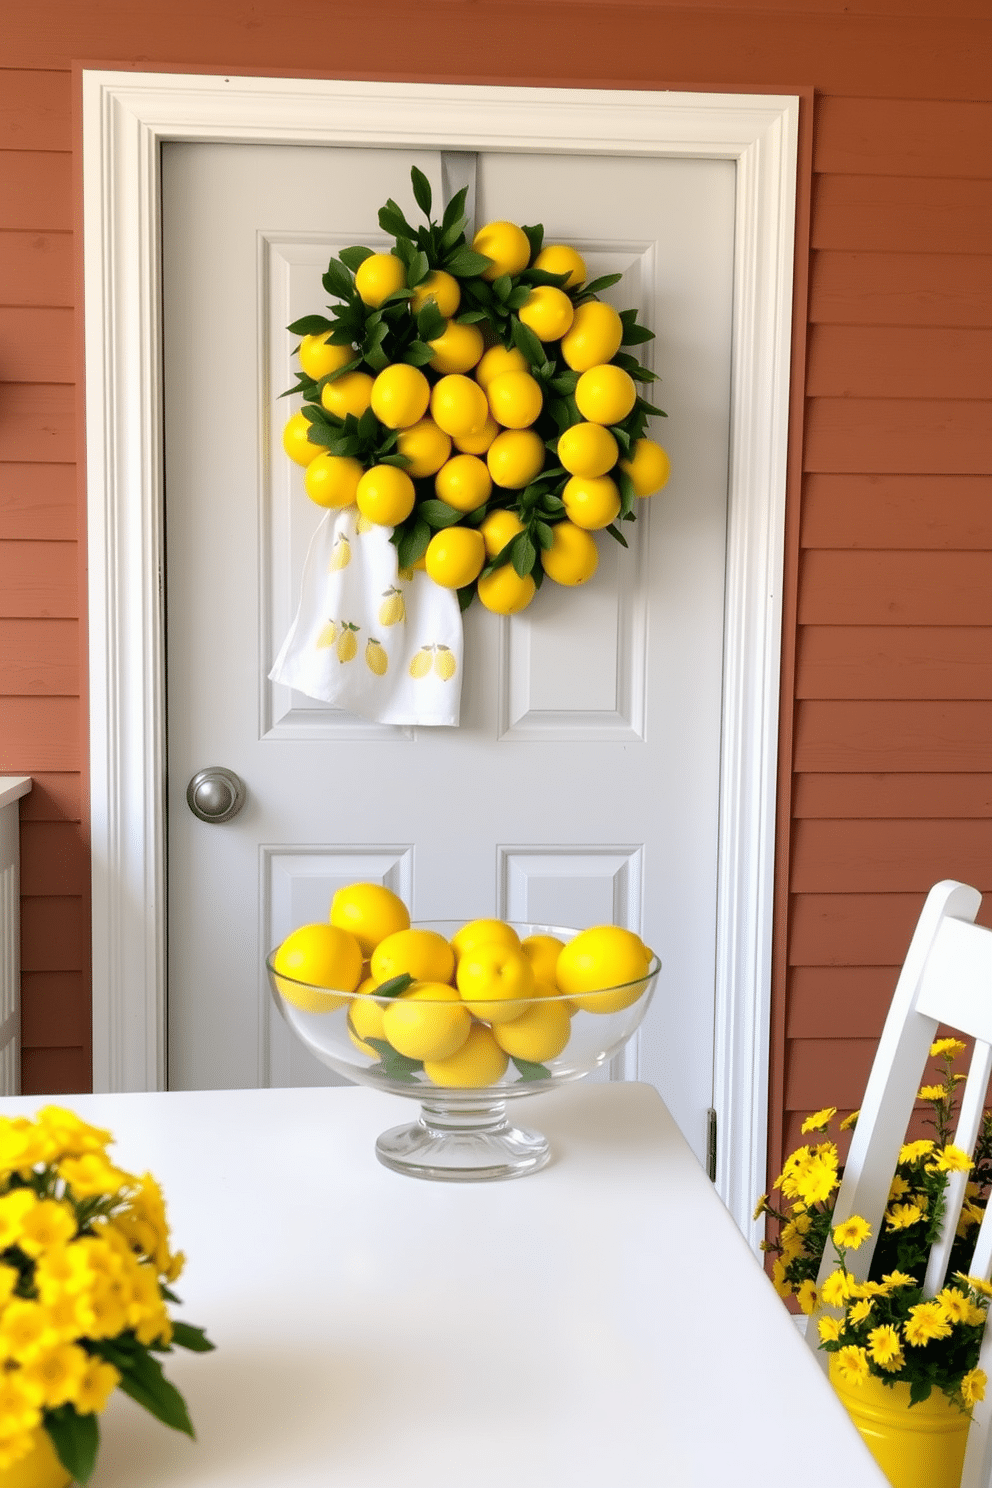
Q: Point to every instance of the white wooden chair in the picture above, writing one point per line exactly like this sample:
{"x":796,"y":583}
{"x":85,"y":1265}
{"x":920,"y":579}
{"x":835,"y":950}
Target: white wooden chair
{"x":946,"y":979}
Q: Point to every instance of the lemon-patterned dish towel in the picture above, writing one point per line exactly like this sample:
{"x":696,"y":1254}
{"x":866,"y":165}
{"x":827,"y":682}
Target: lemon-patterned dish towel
{"x":378,"y":641}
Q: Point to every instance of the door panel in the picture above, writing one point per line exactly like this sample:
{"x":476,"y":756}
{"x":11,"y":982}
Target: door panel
{"x":583,"y":783}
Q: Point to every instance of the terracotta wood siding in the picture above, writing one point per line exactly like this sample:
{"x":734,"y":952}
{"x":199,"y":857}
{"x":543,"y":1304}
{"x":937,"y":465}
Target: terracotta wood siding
{"x":886,"y":719}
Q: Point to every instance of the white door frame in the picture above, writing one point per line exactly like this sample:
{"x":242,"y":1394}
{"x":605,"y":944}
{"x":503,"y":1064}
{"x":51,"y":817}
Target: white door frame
{"x":126,"y":116}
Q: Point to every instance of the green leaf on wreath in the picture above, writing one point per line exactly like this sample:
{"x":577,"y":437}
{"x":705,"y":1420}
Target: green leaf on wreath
{"x":353,"y":258}
{"x":455,"y":209}
{"x":412,"y":543}
{"x":535,"y":237}
{"x":524,"y":554}
{"x":418,"y":270}
{"x":501,"y":287}
{"x":310,"y":325}
{"x":76,"y":1439}
{"x":439,"y":513}
{"x":418,"y":354}
{"x":618,"y":535}
{"x":430,"y":322}
{"x":528,"y":343}
{"x":544,"y":535}
{"x":337,"y":281}
{"x":422,"y":194}
{"x":466,"y":596}
{"x":392,"y":221}
{"x":465,"y":263}
{"x":606,"y":282}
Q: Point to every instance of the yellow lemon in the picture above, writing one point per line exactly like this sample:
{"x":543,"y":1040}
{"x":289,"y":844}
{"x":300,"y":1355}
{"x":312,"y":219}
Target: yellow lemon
{"x":496,"y":981}
{"x":385,"y":495}
{"x":457,"y":349}
{"x":538,"y":1034}
{"x":370,"y":912}
{"x":593,"y":337}
{"x":379,"y":276}
{"x":605,"y":395}
{"x":477,"y":444}
{"x":498,"y":528}
{"x":591,"y":504}
{"x":479,"y":1062}
{"x":483,"y":932}
{"x":556,"y":258}
{"x":320,"y":956}
{"x":463,"y":482}
{"x":515,"y":458}
{"x":547,"y":311}
{"x":351,"y":393}
{"x":458,"y":405}
{"x":506,"y":244}
{"x":603,"y":957}
{"x":455,"y":557}
{"x":318,"y":356}
{"x":400,"y":395}
{"x":648,"y":467}
{"x":427,"y":1021}
{"x":542,"y":951}
{"x":440,"y":287}
{"x":332,"y":480}
{"x":499,"y":359}
{"x":365,"y":1018}
{"x":295,"y":441}
{"x":422,"y":954}
{"x":425,"y":446}
{"x":587,"y":449}
{"x":505,"y":592}
{"x":572,"y":557}
{"x":516,"y":399}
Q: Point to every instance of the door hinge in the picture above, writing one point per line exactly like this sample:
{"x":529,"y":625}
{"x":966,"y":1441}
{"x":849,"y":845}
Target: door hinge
{"x":711,"y":1144}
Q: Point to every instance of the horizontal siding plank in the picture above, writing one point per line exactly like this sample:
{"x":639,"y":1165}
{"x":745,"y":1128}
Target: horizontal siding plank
{"x":880,"y":795}
{"x":54,"y":859}
{"x":827,"y":1072}
{"x":854,"y":661}
{"x":830,"y":1002}
{"x":882,"y":362}
{"x":897,"y":214}
{"x":39,"y":657}
{"x":54,"y":1010}
{"x":40,"y":733}
{"x":54,"y":796}
{"x":55,"y":1072}
{"x":36,"y":190}
{"x":902,"y":137}
{"x":39,"y":423}
{"x":840,"y":736}
{"x":870,"y":587}
{"x":898,"y":436}
{"x":35,"y":110}
{"x":38,"y":501}
{"x":38,"y":579}
{"x":896,"y":511}
{"x":36,"y":268}
{"x":872,"y":857}
{"x":940,"y":56}
{"x":54,"y":934}
{"x":857,"y":929}
{"x":36,"y":344}
{"x":904,"y":289}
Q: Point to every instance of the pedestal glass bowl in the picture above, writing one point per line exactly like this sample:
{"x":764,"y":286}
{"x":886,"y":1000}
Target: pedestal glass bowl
{"x":464,"y":1133}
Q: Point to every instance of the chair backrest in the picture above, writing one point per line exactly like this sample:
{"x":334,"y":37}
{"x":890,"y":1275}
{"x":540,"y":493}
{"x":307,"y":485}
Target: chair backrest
{"x":946,"y":979}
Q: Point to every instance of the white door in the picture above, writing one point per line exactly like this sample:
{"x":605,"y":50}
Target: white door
{"x":582,"y":785}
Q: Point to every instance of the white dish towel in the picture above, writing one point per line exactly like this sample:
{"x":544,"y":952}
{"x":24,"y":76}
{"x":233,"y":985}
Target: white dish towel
{"x":380,"y":643}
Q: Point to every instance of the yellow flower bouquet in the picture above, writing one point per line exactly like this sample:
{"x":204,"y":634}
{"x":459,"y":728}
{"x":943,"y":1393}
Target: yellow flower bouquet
{"x":85,"y":1273}
{"x":884,"y":1327}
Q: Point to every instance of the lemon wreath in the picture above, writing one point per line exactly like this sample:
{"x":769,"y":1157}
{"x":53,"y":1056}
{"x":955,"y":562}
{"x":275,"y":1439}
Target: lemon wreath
{"x":478,"y":401}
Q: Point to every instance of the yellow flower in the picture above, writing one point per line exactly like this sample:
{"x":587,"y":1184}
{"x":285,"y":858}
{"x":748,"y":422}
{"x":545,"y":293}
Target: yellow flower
{"x":911,"y":1152}
{"x":955,"y":1304}
{"x":69,"y":1135}
{"x":885,"y":1346}
{"x":948,"y":1046}
{"x":950,"y":1159}
{"x":851,"y":1233}
{"x":860,"y":1311}
{"x":830,"y":1329}
{"x":926,"y":1321}
{"x":13,"y":1208}
{"x":65,"y":1268}
{"x":760,"y":1207}
{"x":91,"y":1175}
{"x":897,"y":1188}
{"x":850,"y":1121}
{"x":817,"y":1180}
{"x":973,"y":1386}
{"x":18,"y":1411}
{"x":47,"y":1225}
{"x":104,"y":1313}
{"x":9,"y":1277}
{"x":901,"y":1216}
{"x":806,"y":1296}
{"x":932,"y":1093}
{"x":16,"y":1446}
{"x":898,"y":1279}
{"x":22,"y":1145}
{"x":820,"y":1120}
{"x":783,"y":1287}
{"x":55,"y":1376}
{"x":977,"y":1283}
{"x":833,"y":1292}
{"x":852,"y":1365}
{"x":96,"y":1386}
{"x":23,"y":1327}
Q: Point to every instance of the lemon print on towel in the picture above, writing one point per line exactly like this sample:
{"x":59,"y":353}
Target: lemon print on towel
{"x":393,"y":607}
{"x":375,"y":658}
{"x":436,"y":658}
{"x":328,"y":635}
{"x":347,"y":646}
{"x":340,"y":555}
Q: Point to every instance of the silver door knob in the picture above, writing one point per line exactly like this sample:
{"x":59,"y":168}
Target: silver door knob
{"x":216,"y":794}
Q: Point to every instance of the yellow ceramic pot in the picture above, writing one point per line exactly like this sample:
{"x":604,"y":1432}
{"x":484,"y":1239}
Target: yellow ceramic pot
{"x":41,"y":1468}
{"x":920,"y":1446}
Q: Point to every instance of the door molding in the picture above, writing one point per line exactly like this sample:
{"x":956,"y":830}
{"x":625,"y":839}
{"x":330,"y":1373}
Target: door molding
{"x":126,"y":116}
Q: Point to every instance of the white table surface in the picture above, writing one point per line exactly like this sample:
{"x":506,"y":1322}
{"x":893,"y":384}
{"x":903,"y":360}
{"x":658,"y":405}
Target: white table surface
{"x":599,"y":1322}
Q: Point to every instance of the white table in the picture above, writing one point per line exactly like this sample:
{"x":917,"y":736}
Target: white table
{"x":600,"y":1322}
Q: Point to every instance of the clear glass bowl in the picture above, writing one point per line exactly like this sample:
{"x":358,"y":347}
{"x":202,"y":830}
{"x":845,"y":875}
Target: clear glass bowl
{"x":463,"y":1133}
